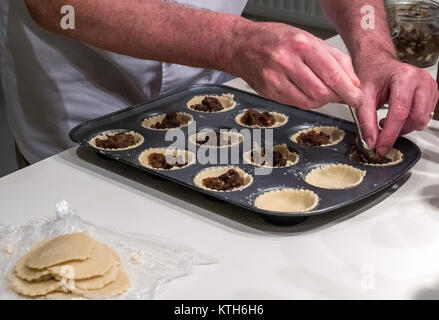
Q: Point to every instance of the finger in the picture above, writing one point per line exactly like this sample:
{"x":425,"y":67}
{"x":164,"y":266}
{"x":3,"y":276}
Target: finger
{"x":400,"y":103}
{"x":407,"y":129}
{"x":281,"y":89}
{"x":304,"y":78}
{"x":327,"y":68}
{"x":367,"y":117}
{"x":346,"y":63}
{"x":419,"y":116}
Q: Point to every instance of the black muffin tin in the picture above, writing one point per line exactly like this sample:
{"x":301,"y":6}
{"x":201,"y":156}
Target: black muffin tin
{"x":376,"y":179}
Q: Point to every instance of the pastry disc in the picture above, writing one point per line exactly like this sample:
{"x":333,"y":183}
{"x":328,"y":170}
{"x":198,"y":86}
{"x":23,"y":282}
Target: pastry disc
{"x":67,"y":247}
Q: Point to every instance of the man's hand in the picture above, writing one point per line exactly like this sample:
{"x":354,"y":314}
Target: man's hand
{"x":292,"y":66}
{"x":410,"y":92}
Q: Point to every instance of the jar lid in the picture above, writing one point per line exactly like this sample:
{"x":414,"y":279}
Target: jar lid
{"x":414,"y":9}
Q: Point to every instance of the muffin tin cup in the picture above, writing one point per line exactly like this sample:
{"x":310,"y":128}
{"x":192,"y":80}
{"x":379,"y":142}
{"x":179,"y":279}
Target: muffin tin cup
{"x":376,"y":179}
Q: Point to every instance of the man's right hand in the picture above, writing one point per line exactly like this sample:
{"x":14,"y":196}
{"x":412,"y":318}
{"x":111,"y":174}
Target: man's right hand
{"x":291,"y":66}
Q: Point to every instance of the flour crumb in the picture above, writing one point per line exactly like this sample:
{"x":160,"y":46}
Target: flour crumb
{"x":9,"y":248}
{"x":138,"y":257}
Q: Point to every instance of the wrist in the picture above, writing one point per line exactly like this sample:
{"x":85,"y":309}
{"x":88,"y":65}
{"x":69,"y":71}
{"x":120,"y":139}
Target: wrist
{"x":366,"y":52}
{"x":236,"y":45}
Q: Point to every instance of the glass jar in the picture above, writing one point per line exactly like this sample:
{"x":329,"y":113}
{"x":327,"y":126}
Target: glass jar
{"x":414,"y":27}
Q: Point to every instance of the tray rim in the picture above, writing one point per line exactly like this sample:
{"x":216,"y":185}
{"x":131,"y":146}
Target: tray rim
{"x":216,"y":195}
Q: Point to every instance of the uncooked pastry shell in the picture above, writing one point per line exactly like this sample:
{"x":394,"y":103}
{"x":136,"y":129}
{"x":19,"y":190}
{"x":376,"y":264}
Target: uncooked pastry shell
{"x":137,"y":137}
{"x":287,"y":200}
{"x":67,"y":247}
{"x":335,"y":176}
{"x":98,"y":264}
{"x":226,"y":100}
{"x":281,"y":119}
{"x":188,"y":156}
{"x":216,"y":172}
{"x":185,"y":119}
{"x":293,"y":158}
{"x":237,"y":139}
{"x":336,"y":135}
{"x":395,"y":155}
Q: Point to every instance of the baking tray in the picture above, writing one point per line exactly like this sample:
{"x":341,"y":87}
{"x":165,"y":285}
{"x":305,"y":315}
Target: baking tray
{"x":376,"y":179}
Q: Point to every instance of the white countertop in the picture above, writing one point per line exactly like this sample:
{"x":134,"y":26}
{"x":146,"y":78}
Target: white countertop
{"x":386,"y":248}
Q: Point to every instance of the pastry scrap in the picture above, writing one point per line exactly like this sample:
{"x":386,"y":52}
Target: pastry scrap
{"x":223,"y":179}
{"x":216,"y":138}
{"x":275,"y":157}
{"x":24,"y":272}
{"x":166,"y":159}
{"x":67,"y":247}
{"x":287,"y":200}
{"x":210,"y":104}
{"x":335,"y":176}
{"x":91,"y":270}
{"x":319,"y":136}
{"x":124,"y":140}
{"x":98,"y":264}
{"x":255,"y":119}
{"x":169,"y":120}
{"x":393,"y":157}
{"x":115,"y":288}
{"x":32,"y":288}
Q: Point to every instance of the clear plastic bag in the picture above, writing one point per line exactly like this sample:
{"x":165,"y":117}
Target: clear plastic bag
{"x":150,"y":261}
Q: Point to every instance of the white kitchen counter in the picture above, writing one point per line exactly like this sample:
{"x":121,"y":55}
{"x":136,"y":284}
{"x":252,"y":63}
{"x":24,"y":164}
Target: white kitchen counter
{"x":387,"y":247}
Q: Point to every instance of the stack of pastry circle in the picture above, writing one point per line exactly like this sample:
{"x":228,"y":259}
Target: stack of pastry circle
{"x":91,"y":269}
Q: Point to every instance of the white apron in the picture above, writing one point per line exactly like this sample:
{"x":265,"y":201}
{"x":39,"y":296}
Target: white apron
{"x":52,"y":83}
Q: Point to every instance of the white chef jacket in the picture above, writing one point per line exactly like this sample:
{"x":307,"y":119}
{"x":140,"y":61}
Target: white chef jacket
{"x":52,"y":83}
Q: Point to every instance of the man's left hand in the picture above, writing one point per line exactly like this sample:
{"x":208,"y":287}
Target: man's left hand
{"x":410,"y":92}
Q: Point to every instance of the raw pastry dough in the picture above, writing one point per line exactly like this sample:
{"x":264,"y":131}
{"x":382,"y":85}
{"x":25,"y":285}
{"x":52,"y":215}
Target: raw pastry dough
{"x":100,"y":281}
{"x":281,"y":120}
{"x":137,"y":137}
{"x":187,"y":155}
{"x":335,"y":176}
{"x":26,"y":273}
{"x":226,"y":100}
{"x":185,"y":119}
{"x":98,"y":275}
{"x":67,"y":247}
{"x":236,"y":138}
{"x":216,"y":172}
{"x":293,"y":158}
{"x":395,"y":155}
{"x":98,"y":264}
{"x":336,"y":135}
{"x":287,"y":200}
{"x":115,"y":288}
{"x":32,"y":289}
{"x":60,"y":295}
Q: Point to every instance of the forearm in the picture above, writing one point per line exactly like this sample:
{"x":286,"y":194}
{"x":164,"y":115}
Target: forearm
{"x":363,"y":44}
{"x":148,"y":29}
